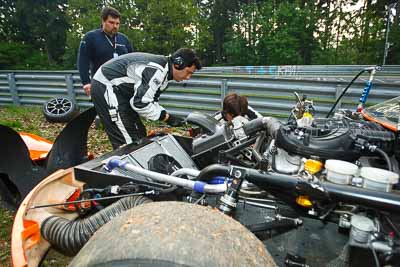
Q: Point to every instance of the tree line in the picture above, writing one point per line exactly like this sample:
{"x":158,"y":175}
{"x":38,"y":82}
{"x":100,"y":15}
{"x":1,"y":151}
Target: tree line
{"x":45,"y":34}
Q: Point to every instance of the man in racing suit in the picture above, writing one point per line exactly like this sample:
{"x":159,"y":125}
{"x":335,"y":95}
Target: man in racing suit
{"x":128,"y":87}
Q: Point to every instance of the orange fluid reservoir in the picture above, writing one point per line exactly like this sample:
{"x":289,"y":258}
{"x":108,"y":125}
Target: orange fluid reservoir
{"x":313,"y":166}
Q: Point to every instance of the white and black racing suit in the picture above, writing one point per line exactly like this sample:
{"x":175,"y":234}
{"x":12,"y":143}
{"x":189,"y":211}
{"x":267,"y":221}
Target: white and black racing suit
{"x":127,"y":88}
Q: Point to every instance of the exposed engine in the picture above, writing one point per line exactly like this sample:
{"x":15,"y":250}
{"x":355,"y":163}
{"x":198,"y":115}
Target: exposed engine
{"x":345,"y":149}
{"x":342,"y":150}
{"x":335,"y":139}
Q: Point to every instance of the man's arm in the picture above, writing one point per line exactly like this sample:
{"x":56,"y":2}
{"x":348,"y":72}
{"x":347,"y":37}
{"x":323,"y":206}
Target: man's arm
{"x":83,"y":64}
{"x":145,"y":100}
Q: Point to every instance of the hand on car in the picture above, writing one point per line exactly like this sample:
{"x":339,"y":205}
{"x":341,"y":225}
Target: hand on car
{"x":87,"y":88}
{"x":175,"y":121}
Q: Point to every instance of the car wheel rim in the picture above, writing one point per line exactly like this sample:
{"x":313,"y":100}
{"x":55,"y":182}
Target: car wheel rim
{"x":59,"y":106}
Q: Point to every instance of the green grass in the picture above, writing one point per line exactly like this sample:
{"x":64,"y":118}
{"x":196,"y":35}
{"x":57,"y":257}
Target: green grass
{"x":11,"y":124}
{"x":6,"y":219}
{"x":24,"y":111}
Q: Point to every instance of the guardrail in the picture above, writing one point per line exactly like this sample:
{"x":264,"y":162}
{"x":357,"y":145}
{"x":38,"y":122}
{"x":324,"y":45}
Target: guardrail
{"x":272,"y":95}
{"x":299,"y":70}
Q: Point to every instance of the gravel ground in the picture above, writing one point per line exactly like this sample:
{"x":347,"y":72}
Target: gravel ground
{"x":30,"y":119}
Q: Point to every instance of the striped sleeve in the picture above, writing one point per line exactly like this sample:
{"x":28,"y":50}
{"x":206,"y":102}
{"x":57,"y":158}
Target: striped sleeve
{"x":145,"y":99}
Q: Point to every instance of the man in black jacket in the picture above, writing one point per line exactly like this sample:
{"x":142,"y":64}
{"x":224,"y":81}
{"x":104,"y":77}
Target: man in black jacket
{"x":100,"y":45}
{"x":128,"y":87}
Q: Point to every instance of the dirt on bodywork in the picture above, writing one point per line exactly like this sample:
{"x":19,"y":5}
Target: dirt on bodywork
{"x":174,"y":232}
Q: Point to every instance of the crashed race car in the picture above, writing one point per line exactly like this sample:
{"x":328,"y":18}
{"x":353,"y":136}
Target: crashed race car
{"x":27,"y":158}
{"x":312,"y":191}
{"x":38,"y":149}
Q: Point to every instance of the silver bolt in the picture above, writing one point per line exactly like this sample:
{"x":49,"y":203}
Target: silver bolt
{"x":238,"y":174}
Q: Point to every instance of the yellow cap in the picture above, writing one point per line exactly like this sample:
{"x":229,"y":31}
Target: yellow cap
{"x":307,"y":114}
{"x":313,"y":166}
{"x":304,"y":201}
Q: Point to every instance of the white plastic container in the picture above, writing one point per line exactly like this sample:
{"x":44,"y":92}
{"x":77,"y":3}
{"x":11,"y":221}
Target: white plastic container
{"x":339,"y":171}
{"x":378,"y":179}
{"x":361,"y":227}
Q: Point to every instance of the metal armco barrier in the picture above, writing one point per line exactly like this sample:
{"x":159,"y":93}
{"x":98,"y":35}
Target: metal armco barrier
{"x":269,"y":93}
{"x":296,"y":70}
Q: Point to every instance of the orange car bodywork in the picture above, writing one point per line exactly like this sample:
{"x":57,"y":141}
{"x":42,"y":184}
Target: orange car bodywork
{"x":38,"y":146}
{"x":27,"y":245}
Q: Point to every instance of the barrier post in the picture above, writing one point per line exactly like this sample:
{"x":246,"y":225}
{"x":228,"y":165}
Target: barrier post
{"x":224,"y":89}
{"x":13,"y":89}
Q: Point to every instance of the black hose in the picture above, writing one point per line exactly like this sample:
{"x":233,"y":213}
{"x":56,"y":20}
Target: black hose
{"x":275,"y":224}
{"x":254,"y":126}
{"x":388,"y":162}
{"x":268,"y":124}
{"x":69,"y":237}
{"x":211,"y":171}
{"x":344,"y":91}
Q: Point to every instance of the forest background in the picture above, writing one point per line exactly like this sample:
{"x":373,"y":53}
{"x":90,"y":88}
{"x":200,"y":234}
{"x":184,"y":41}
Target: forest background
{"x":45,"y":34}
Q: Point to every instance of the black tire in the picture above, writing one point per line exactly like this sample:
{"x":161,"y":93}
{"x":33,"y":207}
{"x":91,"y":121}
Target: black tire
{"x":173,"y":234}
{"x":60,"y":109}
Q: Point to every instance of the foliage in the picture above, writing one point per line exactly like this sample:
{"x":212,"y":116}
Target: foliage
{"x":394,"y":39}
{"x":38,"y":27}
{"x":21,"y":56}
{"x":82,"y":16}
{"x":7,"y":21}
{"x":204,"y":40}
{"x":235,"y":32}
{"x":43,"y":24}
{"x":221,"y":21}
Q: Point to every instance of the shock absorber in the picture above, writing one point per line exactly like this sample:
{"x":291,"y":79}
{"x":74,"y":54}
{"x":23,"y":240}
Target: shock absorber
{"x":368,"y":86}
{"x":228,"y":202}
